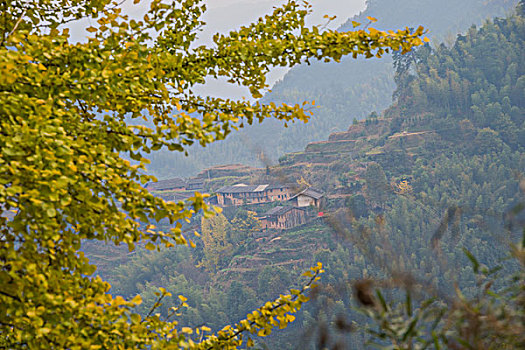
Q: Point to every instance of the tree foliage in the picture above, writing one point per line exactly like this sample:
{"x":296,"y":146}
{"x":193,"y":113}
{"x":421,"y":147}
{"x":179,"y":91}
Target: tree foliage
{"x":70,"y":115}
{"x":217,"y":247}
{"x":245,"y":223}
{"x":492,"y":318}
{"x":377,"y":187}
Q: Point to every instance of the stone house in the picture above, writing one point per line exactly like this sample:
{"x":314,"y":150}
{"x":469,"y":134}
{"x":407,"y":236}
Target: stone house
{"x":281,"y":218}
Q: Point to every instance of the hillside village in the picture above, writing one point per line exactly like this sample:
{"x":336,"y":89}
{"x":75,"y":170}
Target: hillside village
{"x":293,"y":201}
{"x":328,"y":176}
{"x":300,"y":203}
{"x":390,"y":213}
{"x":302,"y":187}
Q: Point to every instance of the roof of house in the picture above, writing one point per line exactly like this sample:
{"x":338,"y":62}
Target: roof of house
{"x":230,"y":166}
{"x":175,"y":196}
{"x":166,"y":184}
{"x":279,"y":210}
{"x":239,"y":188}
{"x":310,"y":192}
{"x":243,"y":188}
{"x":279,"y":185}
{"x":260,"y":188}
{"x":194,"y":181}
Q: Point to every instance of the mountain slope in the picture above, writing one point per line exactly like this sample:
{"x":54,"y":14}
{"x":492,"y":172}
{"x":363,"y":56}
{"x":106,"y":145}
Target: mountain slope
{"x":407,"y":191}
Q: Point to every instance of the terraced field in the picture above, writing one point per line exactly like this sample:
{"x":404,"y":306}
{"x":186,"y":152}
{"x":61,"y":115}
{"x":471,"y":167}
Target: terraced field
{"x":293,"y":249}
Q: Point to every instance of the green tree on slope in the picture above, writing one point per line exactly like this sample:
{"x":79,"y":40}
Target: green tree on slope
{"x":377,"y":187}
{"x":217,"y":248}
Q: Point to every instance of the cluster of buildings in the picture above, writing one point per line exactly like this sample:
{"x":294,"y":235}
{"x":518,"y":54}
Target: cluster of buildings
{"x":293,"y":213}
{"x":280,"y":217}
{"x":242,"y":194}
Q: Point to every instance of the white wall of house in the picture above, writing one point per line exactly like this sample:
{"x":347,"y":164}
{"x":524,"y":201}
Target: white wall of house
{"x":304,"y":201}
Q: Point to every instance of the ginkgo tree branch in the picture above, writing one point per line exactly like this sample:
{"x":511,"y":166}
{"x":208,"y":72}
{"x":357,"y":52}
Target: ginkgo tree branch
{"x":64,"y":130}
{"x":15,"y":27}
{"x":261,"y":316}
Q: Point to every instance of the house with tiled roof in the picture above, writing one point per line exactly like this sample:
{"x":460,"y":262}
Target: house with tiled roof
{"x":175,"y":184}
{"x":307,"y":197}
{"x":195,"y":184}
{"x":253,"y":194}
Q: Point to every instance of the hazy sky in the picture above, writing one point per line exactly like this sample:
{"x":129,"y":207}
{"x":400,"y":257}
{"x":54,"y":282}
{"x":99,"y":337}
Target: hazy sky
{"x":225,"y":15}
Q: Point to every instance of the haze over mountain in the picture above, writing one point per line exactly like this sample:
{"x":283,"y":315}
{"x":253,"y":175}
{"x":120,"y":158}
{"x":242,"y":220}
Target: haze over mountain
{"x":344,"y":91}
{"x":223,"y":16}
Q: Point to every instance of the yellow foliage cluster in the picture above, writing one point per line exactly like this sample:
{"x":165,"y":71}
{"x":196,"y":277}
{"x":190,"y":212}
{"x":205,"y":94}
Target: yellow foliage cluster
{"x":70,"y":115}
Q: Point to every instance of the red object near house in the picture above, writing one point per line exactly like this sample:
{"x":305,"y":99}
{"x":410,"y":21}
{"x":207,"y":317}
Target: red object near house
{"x":320,"y":214}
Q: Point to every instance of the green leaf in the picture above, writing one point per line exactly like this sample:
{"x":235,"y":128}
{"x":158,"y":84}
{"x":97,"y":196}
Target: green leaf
{"x":473,"y":260}
{"x":382,"y":300}
{"x":408,"y":303}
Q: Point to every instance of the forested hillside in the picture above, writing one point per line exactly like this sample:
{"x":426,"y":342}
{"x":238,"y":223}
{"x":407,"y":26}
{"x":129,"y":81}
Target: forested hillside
{"x":342,"y":91}
{"x":407,"y":191}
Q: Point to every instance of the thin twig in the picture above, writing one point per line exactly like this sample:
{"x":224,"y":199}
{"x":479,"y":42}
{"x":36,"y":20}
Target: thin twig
{"x":15,"y":27}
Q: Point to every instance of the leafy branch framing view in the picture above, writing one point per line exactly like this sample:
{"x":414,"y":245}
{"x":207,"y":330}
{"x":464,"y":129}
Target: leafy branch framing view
{"x":417,"y":194}
{"x":65,"y":110}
